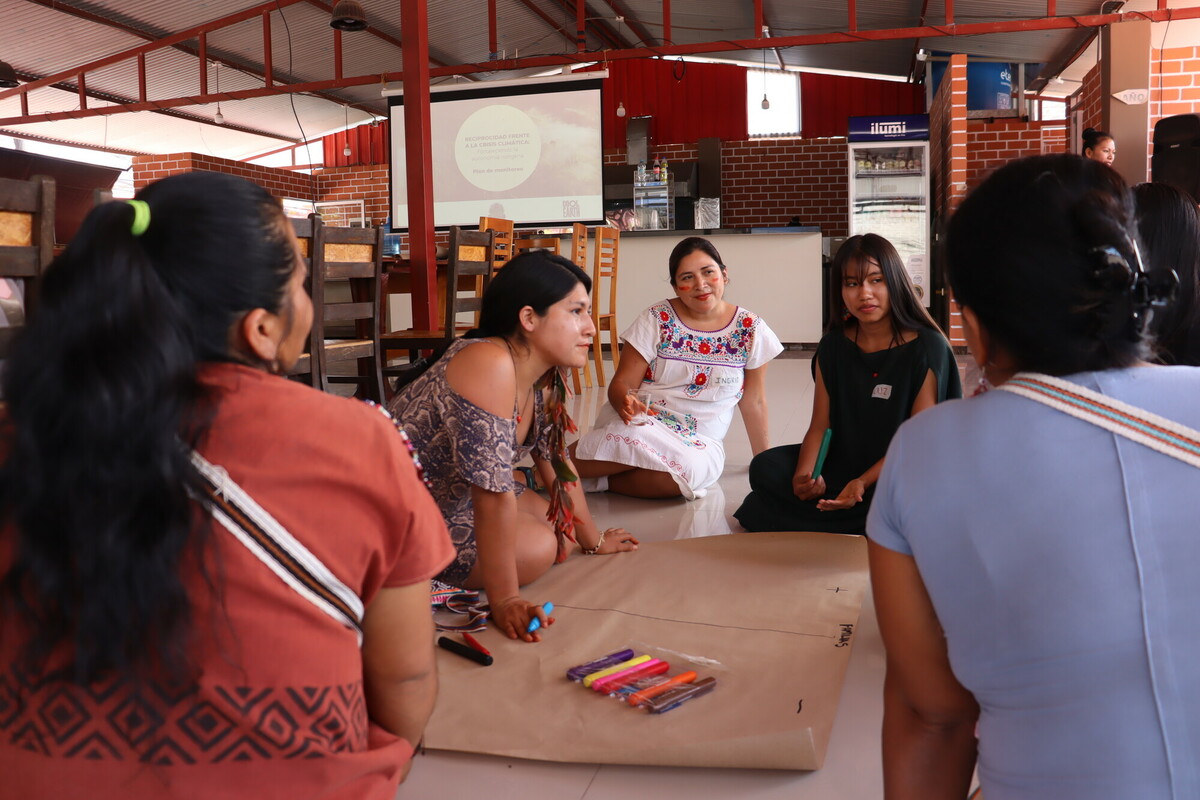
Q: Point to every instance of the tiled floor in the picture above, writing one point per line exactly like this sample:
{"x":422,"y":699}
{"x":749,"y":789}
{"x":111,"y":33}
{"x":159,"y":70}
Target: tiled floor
{"x":851,"y":771}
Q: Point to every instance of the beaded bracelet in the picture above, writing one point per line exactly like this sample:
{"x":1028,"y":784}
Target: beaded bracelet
{"x":591,"y":551}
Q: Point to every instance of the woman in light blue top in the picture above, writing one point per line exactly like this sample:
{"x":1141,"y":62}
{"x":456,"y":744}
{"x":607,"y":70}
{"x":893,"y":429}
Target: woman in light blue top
{"x":1034,"y":573}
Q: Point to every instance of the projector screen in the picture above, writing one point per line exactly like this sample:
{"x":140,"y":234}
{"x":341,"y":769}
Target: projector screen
{"x":530,"y":153}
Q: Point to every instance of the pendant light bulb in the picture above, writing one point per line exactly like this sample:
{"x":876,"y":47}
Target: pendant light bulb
{"x":621,"y":109}
{"x":219,"y":118}
{"x":346,"y":151}
{"x":765,"y":103}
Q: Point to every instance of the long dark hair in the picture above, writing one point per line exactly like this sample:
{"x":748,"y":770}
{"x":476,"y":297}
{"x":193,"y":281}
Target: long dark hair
{"x":537,"y":279}
{"x":102,"y":389}
{"x":906,"y":309}
{"x":1169,"y":224}
{"x":1044,"y":253}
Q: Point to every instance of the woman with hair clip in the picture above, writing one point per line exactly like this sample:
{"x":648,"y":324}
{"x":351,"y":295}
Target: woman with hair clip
{"x":194,"y":601}
{"x":1033,"y":549}
{"x":882,"y":360}
{"x":1169,"y":224}
{"x":495,"y":396}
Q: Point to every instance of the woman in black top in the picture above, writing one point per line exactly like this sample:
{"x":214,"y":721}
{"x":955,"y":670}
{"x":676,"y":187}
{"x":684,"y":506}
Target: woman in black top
{"x":882,"y":360}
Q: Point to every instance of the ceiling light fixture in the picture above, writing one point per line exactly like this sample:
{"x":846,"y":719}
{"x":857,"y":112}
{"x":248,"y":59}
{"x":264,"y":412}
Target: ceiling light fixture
{"x":346,"y":149}
{"x":348,"y":15}
{"x":219,"y":118}
{"x":766,"y":104}
{"x":621,"y":109}
{"x":8,"y":76}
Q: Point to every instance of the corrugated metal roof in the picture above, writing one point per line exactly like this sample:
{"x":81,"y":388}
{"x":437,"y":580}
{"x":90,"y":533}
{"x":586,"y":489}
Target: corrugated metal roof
{"x":41,"y":39}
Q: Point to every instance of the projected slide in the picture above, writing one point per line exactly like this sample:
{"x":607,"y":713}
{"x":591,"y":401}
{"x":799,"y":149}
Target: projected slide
{"x":531,"y":154}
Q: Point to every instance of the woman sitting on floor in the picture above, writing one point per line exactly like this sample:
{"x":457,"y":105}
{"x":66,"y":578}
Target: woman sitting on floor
{"x":882,"y":360}
{"x":156,"y":639}
{"x":495,"y":396}
{"x":1033,"y":550}
{"x":699,"y":357}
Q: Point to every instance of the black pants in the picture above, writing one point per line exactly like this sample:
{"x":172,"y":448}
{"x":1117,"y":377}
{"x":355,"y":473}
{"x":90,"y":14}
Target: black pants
{"x":773,"y":506}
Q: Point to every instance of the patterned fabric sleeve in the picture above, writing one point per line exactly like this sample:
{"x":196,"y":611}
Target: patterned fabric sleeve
{"x":482,"y":444}
{"x":642,"y":335}
{"x":764,"y":347}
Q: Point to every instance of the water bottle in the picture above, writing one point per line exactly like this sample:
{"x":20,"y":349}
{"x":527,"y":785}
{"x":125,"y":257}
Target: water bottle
{"x":640,"y":179}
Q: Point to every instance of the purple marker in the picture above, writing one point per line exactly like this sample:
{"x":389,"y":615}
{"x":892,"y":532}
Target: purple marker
{"x":611,"y":660}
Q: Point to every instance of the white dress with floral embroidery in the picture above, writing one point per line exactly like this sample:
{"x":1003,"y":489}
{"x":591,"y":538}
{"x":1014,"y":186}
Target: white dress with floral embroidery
{"x":695,"y":380}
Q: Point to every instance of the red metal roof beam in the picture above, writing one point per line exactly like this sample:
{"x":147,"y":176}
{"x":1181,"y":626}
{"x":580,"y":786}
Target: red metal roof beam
{"x":634,"y":24}
{"x":266,"y":30}
{"x":190,"y":33}
{"x":967,"y":29}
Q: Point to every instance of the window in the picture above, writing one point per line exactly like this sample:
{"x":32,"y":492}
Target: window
{"x":782,"y":89}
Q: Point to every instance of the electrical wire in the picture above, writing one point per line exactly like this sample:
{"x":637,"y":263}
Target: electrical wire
{"x":292,"y":101}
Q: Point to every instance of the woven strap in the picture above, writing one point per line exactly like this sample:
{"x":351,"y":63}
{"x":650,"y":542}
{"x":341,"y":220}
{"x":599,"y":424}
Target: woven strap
{"x":1158,"y":433}
{"x":270,"y":542}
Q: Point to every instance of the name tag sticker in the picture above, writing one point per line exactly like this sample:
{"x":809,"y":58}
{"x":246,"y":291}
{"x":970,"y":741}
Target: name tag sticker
{"x":882,"y":391}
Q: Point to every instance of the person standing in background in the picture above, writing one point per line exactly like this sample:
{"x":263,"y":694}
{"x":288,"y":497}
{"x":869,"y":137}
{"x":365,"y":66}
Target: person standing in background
{"x":1099,"y":146}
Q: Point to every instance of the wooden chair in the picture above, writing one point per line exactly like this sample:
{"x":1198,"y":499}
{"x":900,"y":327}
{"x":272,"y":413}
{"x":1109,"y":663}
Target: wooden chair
{"x":579,"y":243}
{"x":502,"y":252}
{"x":525,"y":244}
{"x":470,"y":254}
{"x":577,"y":252}
{"x":604,"y":315}
{"x":310,"y":237}
{"x":26,"y":249}
{"x":349,"y":267}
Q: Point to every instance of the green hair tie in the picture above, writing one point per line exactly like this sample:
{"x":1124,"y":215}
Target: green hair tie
{"x":141,"y":217}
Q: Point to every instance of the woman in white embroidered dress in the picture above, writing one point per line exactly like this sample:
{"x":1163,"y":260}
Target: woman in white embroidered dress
{"x":698,"y":356}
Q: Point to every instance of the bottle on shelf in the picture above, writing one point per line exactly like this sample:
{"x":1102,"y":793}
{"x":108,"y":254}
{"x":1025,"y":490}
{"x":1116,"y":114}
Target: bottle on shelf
{"x":640,"y":179}
{"x":665,"y":171}
{"x":657,"y":171}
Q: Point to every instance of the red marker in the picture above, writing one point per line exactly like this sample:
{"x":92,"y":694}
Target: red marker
{"x":471,"y":640}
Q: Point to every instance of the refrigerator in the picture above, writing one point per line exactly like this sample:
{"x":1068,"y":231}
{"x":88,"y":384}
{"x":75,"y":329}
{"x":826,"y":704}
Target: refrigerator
{"x":889,"y":188}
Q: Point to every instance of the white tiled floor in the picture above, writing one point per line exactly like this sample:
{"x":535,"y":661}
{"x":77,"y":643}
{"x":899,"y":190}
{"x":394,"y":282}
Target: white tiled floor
{"x":851,"y":771}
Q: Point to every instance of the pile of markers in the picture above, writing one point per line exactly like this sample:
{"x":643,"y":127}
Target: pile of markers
{"x":640,"y":680}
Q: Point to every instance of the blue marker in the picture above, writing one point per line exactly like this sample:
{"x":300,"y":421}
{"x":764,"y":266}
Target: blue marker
{"x":536,"y":622}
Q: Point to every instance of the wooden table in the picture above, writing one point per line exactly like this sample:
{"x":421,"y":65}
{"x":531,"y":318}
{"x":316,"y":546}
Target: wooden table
{"x":397,"y":279}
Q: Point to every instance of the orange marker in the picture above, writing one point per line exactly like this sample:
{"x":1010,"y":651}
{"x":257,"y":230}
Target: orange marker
{"x":637,"y":698}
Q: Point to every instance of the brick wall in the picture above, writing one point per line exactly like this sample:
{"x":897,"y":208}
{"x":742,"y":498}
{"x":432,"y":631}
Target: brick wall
{"x":1174,"y":85}
{"x":769,"y":181}
{"x":279,"y":182}
{"x":368,"y":182}
{"x":766,"y":182}
{"x":1090,"y":103}
{"x":948,"y":149}
{"x":992,"y":144}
